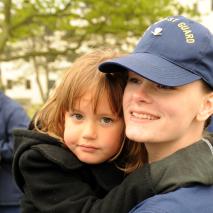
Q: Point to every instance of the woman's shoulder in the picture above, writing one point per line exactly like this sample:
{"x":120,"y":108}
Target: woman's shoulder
{"x":192,"y":164}
{"x":189,"y":199}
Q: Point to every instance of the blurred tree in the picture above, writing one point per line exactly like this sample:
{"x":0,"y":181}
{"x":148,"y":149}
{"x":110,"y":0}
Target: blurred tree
{"x":43,"y":31}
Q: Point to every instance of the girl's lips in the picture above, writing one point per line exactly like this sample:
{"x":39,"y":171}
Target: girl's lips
{"x":87,"y":148}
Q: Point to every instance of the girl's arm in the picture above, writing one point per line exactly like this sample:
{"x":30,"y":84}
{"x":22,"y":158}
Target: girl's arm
{"x":52,"y":188}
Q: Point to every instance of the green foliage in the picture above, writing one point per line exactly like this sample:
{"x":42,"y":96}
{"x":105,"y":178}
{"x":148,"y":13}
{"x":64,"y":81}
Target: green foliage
{"x":51,"y":29}
{"x":79,"y":21}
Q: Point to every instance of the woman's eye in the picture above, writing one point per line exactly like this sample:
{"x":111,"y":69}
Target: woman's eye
{"x":106,"y":120}
{"x":160,"y":86}
{"x":133,"y":80}
{"x":77,"y":116}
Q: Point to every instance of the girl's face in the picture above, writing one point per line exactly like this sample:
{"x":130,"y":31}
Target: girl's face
{"x":94,"y":137}
{"x":164,"y":118}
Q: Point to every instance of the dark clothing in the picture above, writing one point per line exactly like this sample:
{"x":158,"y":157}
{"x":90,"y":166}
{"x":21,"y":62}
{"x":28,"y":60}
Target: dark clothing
{"x":12,"y":116}
{"x":193,"y":164}
{"x":194,"y":198}
{"x":54,"y":180}
{"x":210,"y":126}
{"x":10,"y":209}
{"x":184,"y":200}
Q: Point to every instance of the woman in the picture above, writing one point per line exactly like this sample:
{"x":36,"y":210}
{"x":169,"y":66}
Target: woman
{"x":168,"y":101}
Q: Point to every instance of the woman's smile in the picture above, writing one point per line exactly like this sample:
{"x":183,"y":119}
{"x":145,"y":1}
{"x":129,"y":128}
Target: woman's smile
{"x":143,"y":116}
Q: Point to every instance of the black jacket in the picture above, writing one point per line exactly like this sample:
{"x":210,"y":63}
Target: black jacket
{"x":54,"y":180}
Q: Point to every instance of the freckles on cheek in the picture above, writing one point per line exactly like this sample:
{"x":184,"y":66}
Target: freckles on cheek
{"x":189,"y":108}
{"x":171,"y":111}
{"x":68,"y":140}
{"x":70,"y":144}
{"x":126,"y":96}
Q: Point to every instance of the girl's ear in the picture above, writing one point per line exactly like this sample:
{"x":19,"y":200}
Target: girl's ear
{"x":206,"y":110}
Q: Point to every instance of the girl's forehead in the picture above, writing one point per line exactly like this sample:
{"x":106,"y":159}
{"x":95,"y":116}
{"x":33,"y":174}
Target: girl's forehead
{"x":90,"y":97}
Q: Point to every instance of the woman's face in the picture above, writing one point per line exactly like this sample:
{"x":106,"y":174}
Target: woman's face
{"x":94,"y":137}
{"x":158,"y":114}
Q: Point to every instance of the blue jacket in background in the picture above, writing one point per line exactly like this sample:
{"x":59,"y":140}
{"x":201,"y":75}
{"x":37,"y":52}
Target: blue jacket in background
{"x":184,"y":200}
{"x":12,"y":115}
{"x":210,"y":127}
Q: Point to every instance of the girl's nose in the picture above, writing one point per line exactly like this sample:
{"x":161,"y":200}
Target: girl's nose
{"x":90,"y":131}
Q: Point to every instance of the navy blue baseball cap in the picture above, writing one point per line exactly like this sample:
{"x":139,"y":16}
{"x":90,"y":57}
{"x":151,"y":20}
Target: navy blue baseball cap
{"x":173,"y":52}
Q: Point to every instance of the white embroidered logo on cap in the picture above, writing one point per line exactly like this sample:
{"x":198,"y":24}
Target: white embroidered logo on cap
{"x":157,"y":31}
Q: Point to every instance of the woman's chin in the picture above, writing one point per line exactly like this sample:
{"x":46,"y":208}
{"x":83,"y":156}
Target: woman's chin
{"x":136,"y":135}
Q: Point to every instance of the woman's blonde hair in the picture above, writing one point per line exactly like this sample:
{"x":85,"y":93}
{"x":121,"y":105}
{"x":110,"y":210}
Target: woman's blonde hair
{"x":81,"y":77}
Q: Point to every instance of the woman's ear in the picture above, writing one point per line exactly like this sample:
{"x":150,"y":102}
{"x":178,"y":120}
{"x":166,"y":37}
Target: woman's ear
{"x":206,"y":109}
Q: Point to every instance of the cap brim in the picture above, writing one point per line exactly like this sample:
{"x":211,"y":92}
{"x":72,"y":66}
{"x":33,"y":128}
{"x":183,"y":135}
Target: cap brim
{"x":151,"y":67}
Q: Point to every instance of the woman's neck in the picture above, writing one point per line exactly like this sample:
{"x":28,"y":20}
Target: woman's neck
{"x":157,"y":151}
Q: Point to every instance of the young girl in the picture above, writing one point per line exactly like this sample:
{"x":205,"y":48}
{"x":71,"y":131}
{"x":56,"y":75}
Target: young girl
{"x":70,"y":161}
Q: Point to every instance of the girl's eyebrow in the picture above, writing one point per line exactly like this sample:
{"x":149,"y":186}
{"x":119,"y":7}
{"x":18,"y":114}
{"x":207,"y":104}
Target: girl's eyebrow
{"x":72,"y":109}
{"x":107,"y":114}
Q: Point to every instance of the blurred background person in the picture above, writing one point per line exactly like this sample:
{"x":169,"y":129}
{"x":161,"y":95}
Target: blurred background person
{"x":12,"y":115}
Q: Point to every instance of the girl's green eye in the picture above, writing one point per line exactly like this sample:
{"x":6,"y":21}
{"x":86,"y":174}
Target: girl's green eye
{"x":106,"y":120}
{"x":77,"y":116}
